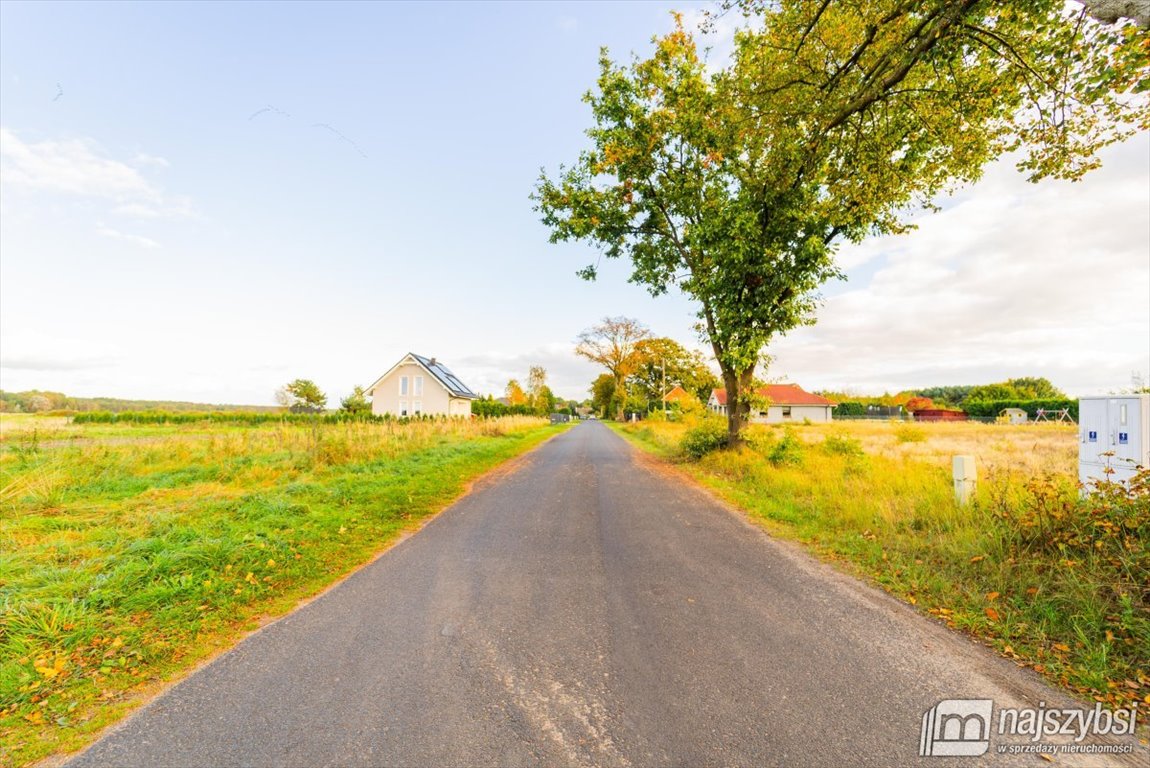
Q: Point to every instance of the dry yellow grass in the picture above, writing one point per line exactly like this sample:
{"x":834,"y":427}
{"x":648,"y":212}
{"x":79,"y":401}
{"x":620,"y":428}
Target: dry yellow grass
{"x":18,"y":423}
{"x":1033,"y":449}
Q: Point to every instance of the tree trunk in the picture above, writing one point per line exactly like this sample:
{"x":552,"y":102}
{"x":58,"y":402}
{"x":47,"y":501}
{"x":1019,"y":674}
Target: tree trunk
{"x":621,"y":393}
{"x":738,"y":410}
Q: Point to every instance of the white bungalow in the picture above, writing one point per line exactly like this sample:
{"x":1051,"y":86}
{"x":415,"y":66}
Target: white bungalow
{"x":787,"y":402}
{"x":420,"y":385}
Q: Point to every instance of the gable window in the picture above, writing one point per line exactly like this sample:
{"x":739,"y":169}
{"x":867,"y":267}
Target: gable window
{"x":403,"y":406}
{"x":403,"y":386}
{"x":418,"y":386}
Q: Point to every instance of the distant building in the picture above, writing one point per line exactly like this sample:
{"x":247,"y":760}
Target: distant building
{"x":788,"y":402}
{"x":1013,"y":416}
{"x":419,"y":385}
{"x":680,"y":396}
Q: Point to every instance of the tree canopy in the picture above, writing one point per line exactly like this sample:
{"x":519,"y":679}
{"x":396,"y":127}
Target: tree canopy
{"x":612,"y":344}
{"x":663,"y":363}
{"x":301,"y":395}
{"x":830,"y":122}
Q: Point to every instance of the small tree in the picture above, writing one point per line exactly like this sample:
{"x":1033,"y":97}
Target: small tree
{"x":515,"y":394}
{"x":301,"y":395}
{"x":356,"y":403}
{"x":603,"y":393}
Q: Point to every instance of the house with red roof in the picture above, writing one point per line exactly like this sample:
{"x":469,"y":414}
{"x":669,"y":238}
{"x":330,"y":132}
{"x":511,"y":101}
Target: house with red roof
{"x":787,"y":402}
{"x":680,"y":396}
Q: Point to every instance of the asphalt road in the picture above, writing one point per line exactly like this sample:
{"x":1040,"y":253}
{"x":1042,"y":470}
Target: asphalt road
{"x":585,"y":610}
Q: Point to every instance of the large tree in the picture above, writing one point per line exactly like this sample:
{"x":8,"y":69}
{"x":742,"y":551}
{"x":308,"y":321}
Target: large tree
{"x":831,"y":121}
{"x":612,"y":344}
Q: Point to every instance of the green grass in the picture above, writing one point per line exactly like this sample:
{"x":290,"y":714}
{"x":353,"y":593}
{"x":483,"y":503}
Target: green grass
{"x":1057,"y":584}
{"x":124,"y":563}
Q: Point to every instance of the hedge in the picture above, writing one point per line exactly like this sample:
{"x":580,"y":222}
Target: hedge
{"x":991,"y":408}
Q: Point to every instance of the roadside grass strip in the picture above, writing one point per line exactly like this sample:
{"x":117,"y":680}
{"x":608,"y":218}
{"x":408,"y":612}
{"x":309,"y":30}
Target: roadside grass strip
{"x":124,"y":563}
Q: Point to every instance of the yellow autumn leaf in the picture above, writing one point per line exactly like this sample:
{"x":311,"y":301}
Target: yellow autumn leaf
{"x":271,"y":563}
{"x":977,"y":558}
{"x":991,"y":613}
{"x":1062,"y":647}
{"x":991,"y":595}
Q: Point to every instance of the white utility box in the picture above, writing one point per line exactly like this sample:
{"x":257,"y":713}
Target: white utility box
{"x":1113,"y":437}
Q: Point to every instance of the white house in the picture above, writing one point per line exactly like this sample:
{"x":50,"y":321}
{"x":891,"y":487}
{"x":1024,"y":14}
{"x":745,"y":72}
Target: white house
{"x":420,"y":385}
{"x":787,"y":402}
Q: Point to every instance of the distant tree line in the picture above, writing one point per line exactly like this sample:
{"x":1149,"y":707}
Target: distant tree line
{"x":41,"y":401}
{"x":536,"y":399}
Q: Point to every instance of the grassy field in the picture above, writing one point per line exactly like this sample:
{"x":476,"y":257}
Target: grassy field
{"x":129,"y":554}
{"x":1055,"y":583}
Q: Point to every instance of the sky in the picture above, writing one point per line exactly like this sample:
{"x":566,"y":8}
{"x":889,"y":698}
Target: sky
{"x":204,"y":201}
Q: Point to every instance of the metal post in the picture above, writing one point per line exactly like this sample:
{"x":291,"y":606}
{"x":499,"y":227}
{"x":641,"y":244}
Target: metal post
{"x":663,"y":365}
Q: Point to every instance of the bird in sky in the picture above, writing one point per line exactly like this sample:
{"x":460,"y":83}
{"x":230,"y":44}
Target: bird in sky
{"x":268,"y":108}
{"x":327,"y":127}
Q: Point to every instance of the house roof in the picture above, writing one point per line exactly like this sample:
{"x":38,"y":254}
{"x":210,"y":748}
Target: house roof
{"x":445,"y":376}
{"x":678,"y":393}
{"x":438,"y":371}
{"x":780,"y":394}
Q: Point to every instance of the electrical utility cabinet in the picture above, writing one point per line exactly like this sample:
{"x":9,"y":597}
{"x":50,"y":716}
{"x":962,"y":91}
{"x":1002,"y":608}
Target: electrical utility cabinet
{"x":1113,"y":437}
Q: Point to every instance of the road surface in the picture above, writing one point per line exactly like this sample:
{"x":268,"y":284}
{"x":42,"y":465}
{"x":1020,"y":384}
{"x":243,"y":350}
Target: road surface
{"x":583,"y":610}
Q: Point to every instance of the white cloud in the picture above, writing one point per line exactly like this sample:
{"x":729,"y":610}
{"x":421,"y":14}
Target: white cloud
{"x":1012,"y":279}
{"x":115,"y":234}
{"x":72,"y":166}
{"x":79,"y":167}
{"x":35,"y":352}
{"x":142,"y":158}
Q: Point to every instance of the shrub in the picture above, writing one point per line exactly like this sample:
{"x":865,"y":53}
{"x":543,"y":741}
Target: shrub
{"x":842,"y":445}
{"x":701,"y":440}
{"x":788,"y":451}
{"x":907,"y":433}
